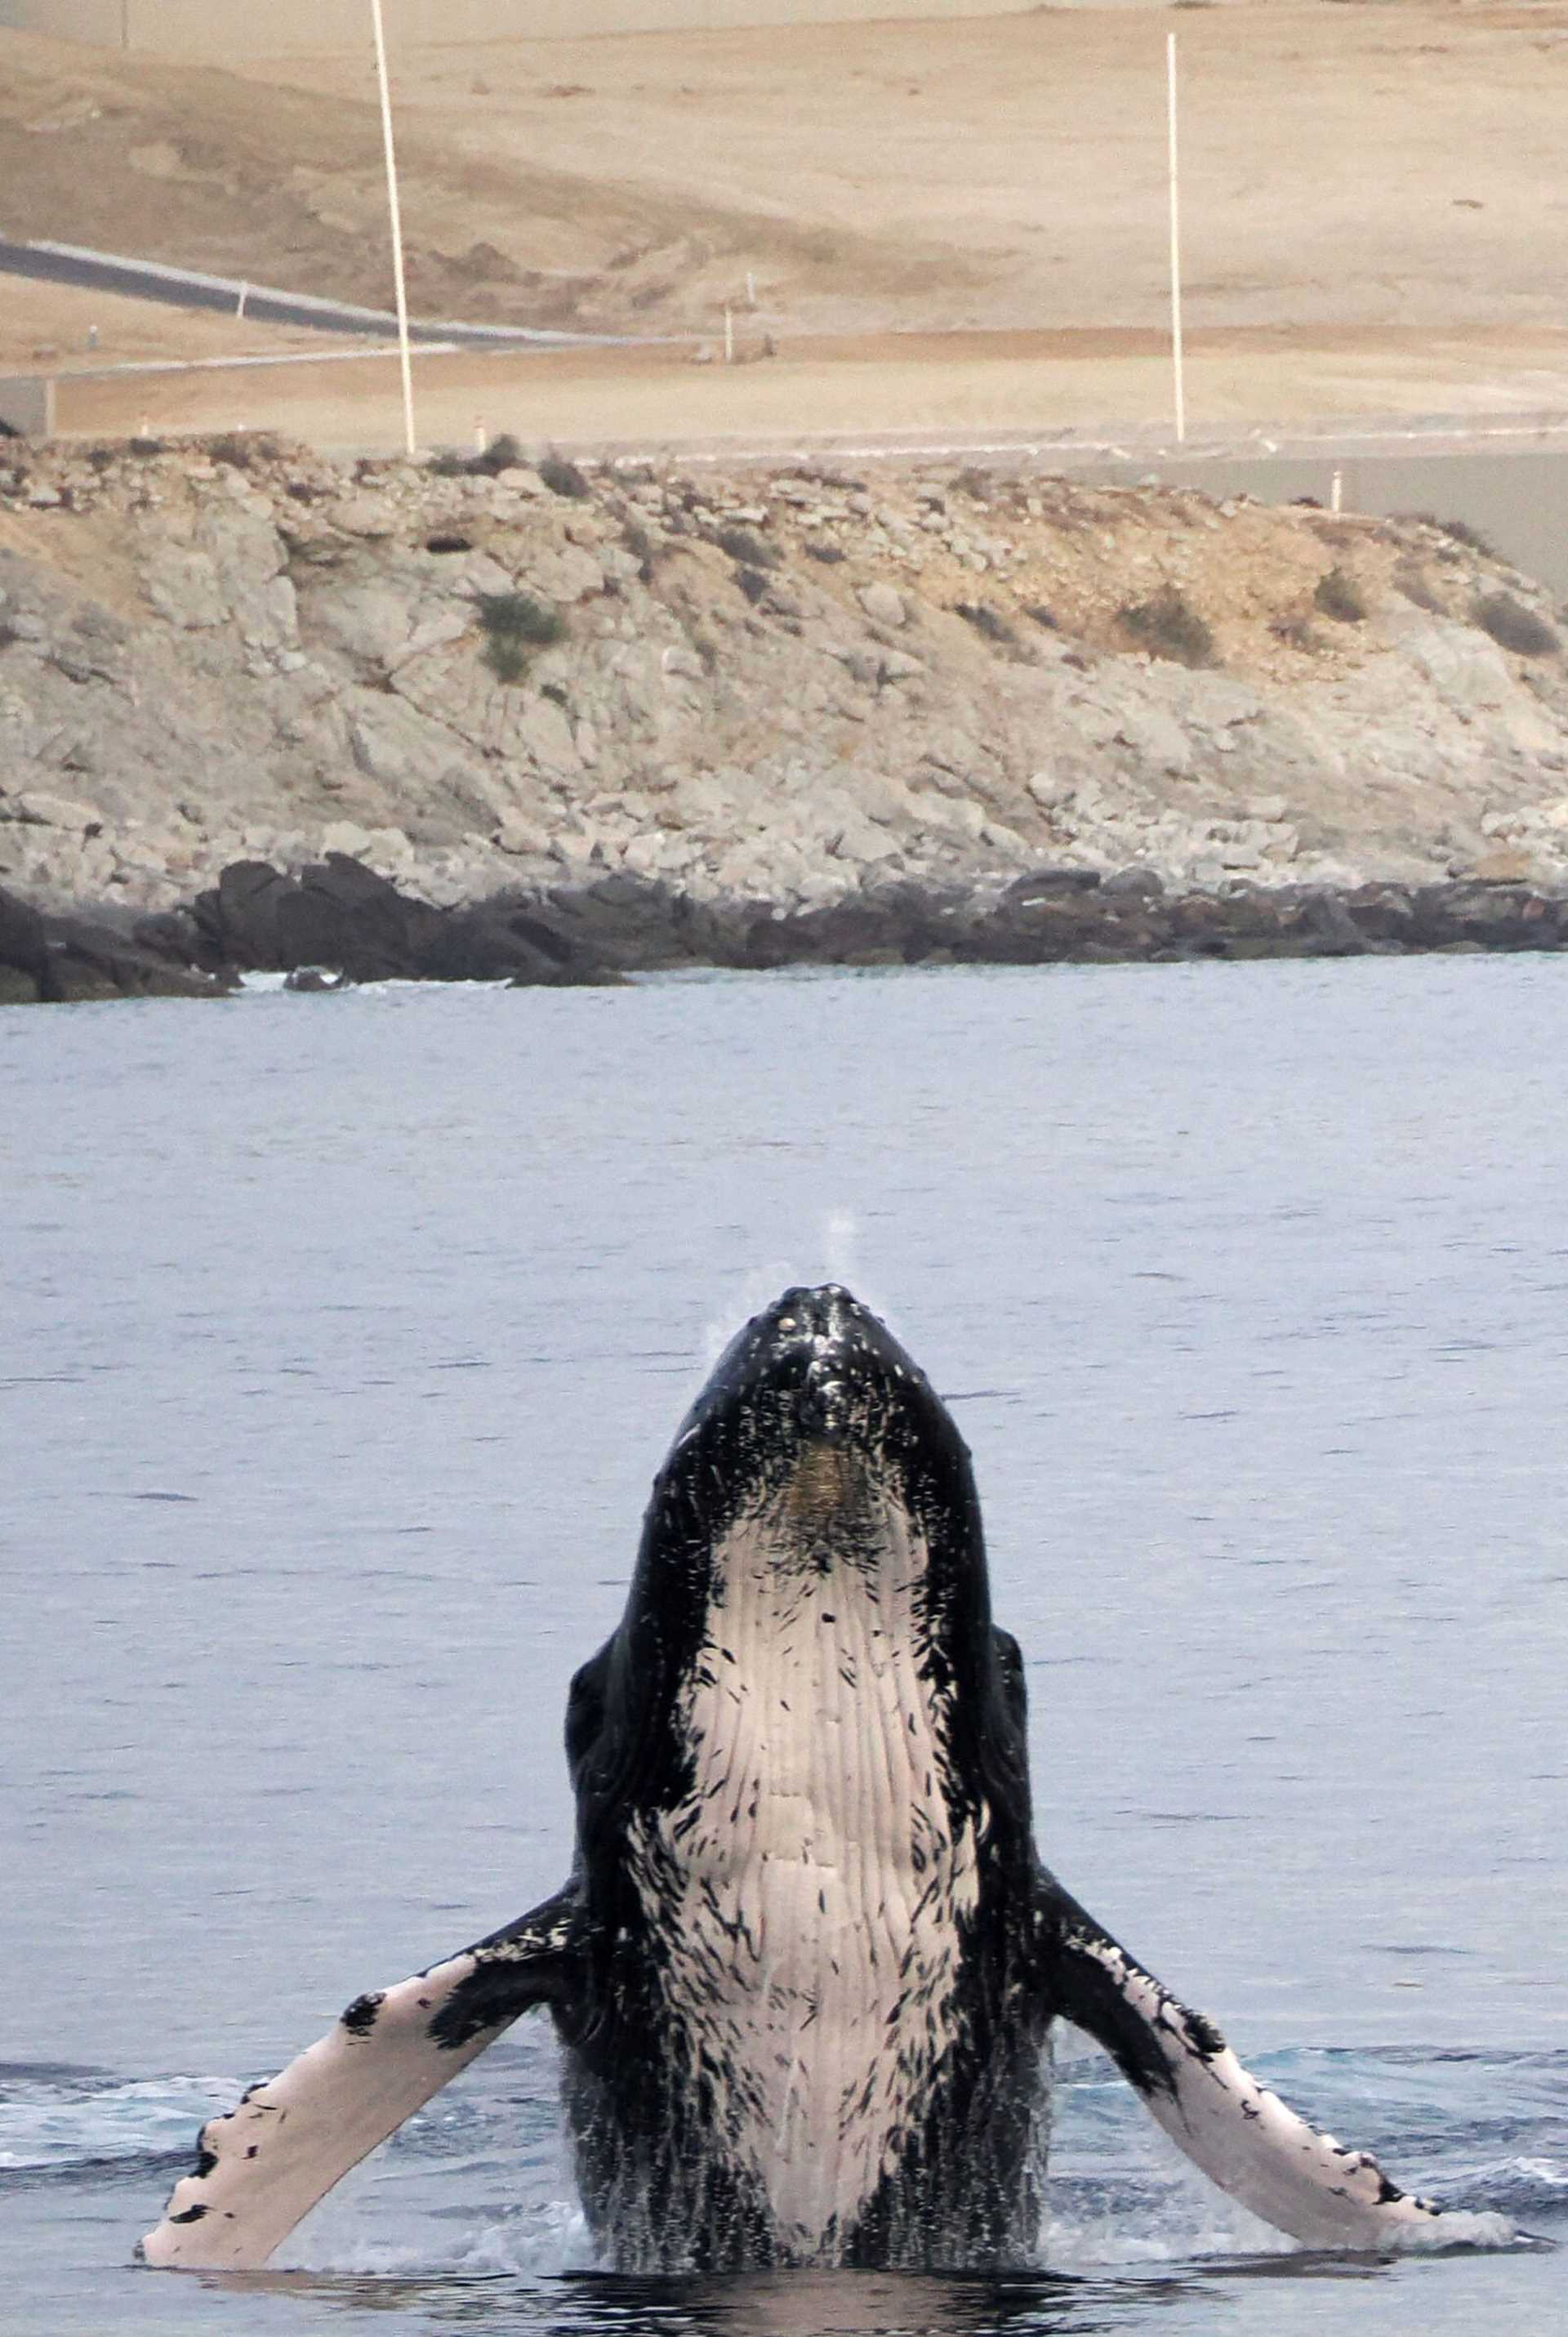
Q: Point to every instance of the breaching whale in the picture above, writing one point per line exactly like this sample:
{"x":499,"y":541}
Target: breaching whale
{"x":806,"y":1965}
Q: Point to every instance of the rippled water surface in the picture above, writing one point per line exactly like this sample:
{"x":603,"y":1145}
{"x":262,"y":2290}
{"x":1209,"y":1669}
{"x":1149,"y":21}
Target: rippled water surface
{"x":342,"y":1337}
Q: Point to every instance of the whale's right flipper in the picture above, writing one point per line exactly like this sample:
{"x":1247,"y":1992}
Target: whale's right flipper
{"x":264,"y":2166}
{"x":1244,"y":2137}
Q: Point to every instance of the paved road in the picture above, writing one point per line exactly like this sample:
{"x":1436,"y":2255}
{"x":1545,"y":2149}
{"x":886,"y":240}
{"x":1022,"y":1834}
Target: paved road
{"x":184,"y":288}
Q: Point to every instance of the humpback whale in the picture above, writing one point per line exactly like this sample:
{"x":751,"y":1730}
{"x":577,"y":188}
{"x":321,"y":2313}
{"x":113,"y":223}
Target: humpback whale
{"x":806,"y":1965}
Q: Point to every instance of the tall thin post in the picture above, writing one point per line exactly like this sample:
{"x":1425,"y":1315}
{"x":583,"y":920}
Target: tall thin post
{"x":1176,"y":355}
{"x":395,"y":216}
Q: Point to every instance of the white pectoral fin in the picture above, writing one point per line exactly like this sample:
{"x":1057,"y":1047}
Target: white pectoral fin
{"x":1243,"y":2136}
{"x":264,"y":2166}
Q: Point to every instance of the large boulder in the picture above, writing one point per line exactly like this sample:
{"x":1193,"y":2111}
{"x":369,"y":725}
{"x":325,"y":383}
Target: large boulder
{"x":51,"y":959}
{"x":238,"y":921}
{"x":338,"y":913}
{"x":25,"y":972}
{"x":91,"y":958}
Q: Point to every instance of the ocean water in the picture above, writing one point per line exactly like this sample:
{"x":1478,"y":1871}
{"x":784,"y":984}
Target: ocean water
{"x":343,"y":1335}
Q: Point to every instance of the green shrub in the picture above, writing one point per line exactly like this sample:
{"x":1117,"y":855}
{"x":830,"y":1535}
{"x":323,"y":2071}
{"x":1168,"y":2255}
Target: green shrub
{"x":507,"y":659}
{"x":747,"y":550}
{"x":1515,"y":627}
{"x":1339,"y":596}
{"x":1168,"y":626}
{"x":514,"y":625}
{"x":522,"y":616}
{"x":987,"y":621}
{"x":1413,"y":581}
{"x":502,"y":454}
{"x":1459,"y":530}
{"x":564,"y":478}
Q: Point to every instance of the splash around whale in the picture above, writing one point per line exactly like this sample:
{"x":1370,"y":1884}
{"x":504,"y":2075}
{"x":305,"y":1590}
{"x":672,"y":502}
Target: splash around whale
{"x":807,"y":1966}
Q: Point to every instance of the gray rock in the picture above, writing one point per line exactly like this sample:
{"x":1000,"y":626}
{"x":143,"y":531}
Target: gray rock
{"x":1133,"y":883}
{"x":369,"y":515}
{"x":36,"y":809}
{"x":183,"y":586}
{"x":884,"y":604}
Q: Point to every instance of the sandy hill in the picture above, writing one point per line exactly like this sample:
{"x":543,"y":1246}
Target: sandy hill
{"x":1352,"y":167}
{"x":284,"y":185}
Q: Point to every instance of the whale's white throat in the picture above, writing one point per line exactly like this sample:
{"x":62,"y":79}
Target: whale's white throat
{"x":812,"y":1886}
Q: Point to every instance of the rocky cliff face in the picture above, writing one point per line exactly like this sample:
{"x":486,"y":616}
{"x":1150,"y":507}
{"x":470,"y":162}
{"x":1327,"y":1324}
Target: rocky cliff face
{"x":767,"y":687}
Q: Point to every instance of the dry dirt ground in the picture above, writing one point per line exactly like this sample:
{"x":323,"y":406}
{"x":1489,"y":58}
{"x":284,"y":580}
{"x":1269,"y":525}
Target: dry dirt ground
{"x":1373,"y":204}
{"x":51,"y":326}
{"x":956,"y":389}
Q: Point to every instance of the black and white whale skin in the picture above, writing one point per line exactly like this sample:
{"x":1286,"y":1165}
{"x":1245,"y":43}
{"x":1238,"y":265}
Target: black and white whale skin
{"x":806,"y":1967}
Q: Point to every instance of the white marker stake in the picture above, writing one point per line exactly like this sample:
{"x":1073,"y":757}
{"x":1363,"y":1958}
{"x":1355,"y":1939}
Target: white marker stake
{"x":1175,"y":244}
{"x":728,"y":336}
{"x":1336,"y":492}
{"x":240,"y":304}
{"x":394,"y":214}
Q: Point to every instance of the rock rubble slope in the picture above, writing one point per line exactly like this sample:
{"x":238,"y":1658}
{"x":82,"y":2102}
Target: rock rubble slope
{"x":770,"y":686}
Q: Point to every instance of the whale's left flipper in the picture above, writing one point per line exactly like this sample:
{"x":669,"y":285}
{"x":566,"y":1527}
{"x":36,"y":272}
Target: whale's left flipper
{"x":1244,"y":2137}
{"x":265,"y":2164}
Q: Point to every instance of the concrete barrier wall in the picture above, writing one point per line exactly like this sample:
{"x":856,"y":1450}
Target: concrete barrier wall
{"x":99,"y":21}
{"x":27,"y":403}
{"x":213,"y":31}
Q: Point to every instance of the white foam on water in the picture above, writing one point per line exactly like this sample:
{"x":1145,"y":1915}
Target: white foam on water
{"x":1460,"y":2228}
{"x":259,"y":983}
{"x":47,"y":2124}
{"x":540,"y":2240}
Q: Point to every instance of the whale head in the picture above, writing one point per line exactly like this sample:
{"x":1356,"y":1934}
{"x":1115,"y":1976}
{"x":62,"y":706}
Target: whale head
{"x":818,"y":1496}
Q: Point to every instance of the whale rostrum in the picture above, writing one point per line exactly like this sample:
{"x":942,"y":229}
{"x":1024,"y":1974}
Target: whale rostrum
{"x":807,"y":1966}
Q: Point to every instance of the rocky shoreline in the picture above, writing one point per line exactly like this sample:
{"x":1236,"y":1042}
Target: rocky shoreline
{"x":338,"y":924}
{"x":489,"y":718}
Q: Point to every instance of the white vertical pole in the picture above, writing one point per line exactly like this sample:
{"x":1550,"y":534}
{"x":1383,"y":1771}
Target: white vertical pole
{"x":1336,"y":492}
{"x":395,"y":216}
{"x":729,"y":335}
{"x":244,"y":296}
{"x":1176,"y":362}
